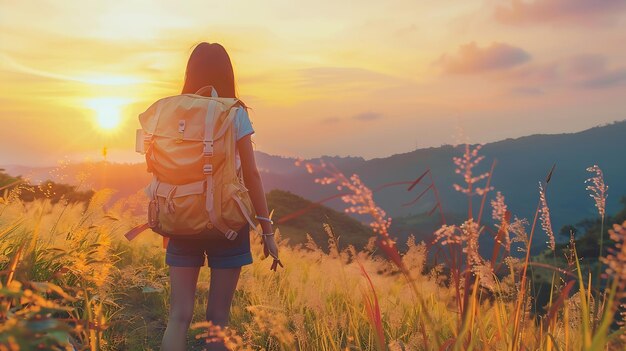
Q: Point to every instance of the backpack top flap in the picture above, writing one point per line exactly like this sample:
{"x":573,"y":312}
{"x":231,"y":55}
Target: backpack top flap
{"x":163,"y":118}
{"x":175,"y":127}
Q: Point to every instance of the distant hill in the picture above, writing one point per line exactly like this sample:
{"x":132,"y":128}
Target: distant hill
{"x":125,"y":178}
{"x":521,"y":164}
{"x":348,"y":229}
{"x":52,"y":191}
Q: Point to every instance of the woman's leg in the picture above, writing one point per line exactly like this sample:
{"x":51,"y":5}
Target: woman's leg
{"x":221,"y":291}
{"x":183,"y":282}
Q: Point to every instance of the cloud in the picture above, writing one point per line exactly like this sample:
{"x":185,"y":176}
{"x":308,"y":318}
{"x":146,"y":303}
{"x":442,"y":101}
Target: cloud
{"x":593,"y":72}
{"x":589,"y":71}
{"x":538,"y":74}
{"x":367,"y":116}
{"x":584,"y":12}
{"x":94,"y":80}
{"x":608,"y":79}
{"x":471,"y":58}
{"x":586,"y":65}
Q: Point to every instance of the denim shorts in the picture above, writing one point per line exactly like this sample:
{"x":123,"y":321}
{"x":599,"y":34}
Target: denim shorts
{"x":219,"y":251}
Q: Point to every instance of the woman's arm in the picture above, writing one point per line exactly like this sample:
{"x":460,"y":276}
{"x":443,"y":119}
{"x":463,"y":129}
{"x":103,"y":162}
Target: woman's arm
{"x":252,"y":180}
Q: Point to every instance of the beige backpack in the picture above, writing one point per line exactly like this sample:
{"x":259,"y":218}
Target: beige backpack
{"x":189,"y":144}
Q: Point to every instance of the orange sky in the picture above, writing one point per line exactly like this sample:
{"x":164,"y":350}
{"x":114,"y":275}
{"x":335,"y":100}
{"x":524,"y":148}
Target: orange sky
{"x":361,"y":78}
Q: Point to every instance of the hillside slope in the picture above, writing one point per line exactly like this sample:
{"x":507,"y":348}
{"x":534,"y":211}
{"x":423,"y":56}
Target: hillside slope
{"x":284,"y":203}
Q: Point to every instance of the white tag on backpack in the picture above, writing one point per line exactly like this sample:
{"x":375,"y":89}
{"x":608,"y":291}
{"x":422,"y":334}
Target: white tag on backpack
{"x":139,"y":141}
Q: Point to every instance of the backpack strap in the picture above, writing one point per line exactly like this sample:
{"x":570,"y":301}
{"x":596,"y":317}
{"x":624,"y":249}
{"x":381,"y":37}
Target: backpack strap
{"x":132,"y":234}
{"x":227,"y":122}
{"x":205,"y":88}
{"x":209,"y":126}
{"x":242,"y":207}
{"x":212,"y":196}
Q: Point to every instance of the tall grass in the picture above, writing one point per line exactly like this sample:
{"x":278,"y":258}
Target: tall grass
{"x":69,"y":281}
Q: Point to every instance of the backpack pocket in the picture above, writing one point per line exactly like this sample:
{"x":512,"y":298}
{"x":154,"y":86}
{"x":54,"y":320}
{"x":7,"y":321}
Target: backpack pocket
{"x":237,"y":207}
{"x":181,"y":209}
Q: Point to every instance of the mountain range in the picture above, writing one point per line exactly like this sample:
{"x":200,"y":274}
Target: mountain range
{"x":520,"y":164}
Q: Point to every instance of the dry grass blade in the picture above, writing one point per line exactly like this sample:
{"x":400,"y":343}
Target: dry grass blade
{"x":11,"y":227}
{"x":419,"y":179}
{"x":549,"y":176}
{"x":559,"y":302}
{"x":17,"y":256}
{"x":372,"y":307}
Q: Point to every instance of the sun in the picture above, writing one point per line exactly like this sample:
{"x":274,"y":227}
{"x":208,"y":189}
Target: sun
{"x":108,"y":117}
{"x":108,"y":111}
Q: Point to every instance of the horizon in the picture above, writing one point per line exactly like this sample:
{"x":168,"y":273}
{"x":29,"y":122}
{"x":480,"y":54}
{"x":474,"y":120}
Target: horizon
{"x":429,"y":73}
{"x":139,"y":159}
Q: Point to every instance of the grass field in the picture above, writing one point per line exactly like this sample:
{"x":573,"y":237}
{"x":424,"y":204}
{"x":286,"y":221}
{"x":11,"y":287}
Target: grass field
{"x":69,"y":280}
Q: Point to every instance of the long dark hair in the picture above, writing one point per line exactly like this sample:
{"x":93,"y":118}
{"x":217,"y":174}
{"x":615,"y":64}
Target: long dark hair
{"x":209,"y":64}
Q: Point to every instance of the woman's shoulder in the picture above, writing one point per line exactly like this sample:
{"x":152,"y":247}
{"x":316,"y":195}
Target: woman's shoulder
{"x":242,"y":115}
{"x":242,"y":112}
{"x":243,"y":124}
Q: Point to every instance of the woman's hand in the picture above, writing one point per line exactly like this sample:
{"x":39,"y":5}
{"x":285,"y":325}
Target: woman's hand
{"x":270,"y":248}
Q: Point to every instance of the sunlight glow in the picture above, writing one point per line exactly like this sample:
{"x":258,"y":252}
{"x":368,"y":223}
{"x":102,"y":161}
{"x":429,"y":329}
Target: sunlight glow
{"x":112,"y":80}
{"x":108,"y":111}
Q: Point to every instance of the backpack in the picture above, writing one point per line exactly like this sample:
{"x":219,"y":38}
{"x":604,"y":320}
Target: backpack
{"x":189,"y":144}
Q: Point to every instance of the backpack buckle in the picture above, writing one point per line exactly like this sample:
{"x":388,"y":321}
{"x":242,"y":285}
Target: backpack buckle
{"x":208,"y":169}
{"x":153,"y":214}
{"x":208,"y":149}
{"x":231,"y":234}
{"x":143,"y":142}
{"x":181,"y":131}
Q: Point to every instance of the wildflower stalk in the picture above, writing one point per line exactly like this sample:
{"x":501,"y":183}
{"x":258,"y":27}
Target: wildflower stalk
{"x":546,"y":224}
{"x":360,"y":197}
{"x":484,"y":197}
{"x":522,"y":291}
{"x":599,"y":193}
{"x":599,"y":268}
{"x":465,"y":167}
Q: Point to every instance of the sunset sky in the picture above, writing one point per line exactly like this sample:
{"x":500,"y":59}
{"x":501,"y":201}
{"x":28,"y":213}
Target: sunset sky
{"x":360,"y":78}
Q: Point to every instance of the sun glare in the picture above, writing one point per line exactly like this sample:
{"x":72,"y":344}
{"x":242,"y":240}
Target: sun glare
{"x":108,"y":111}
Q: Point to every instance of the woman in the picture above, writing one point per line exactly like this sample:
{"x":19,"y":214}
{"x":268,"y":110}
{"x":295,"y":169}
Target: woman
{"x":209,"y":65}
